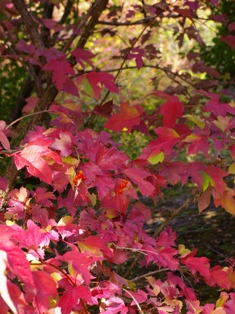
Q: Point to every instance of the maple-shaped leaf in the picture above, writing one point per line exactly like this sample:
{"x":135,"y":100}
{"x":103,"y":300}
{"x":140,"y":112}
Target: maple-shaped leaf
{"x":31,"y":104}
{"x":216,"y":174}
{"x":137,"y":54}
{"x":138,"y":176}
{"x":46,"y":290}
{"x":81,"y":263}
{"x":227,"y":201}
{"x":71,"y":298}
{"x":127,"y":118}
{"x":93,"y":80}
{"x":138,"y":297}
{"x":219,"y":276}
{"x":197,"y":143}
{"x":104,"y":110}
{"x":83,"y":55}
{"x":60,"y":70}
{"x":96,"y":246}
{"x":167,"y":138}
{"x":3,"y":139}
{"x":171,"y":111}
{"x":43,"y":197}
{"x":175,"y":172}
{"x":31,"y":157}
{"x":70,"y":87}
{"x":64,"y":144}
{"x":196,"y":264}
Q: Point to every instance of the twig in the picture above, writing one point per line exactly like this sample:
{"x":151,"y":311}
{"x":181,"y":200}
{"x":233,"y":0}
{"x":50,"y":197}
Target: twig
{"x":150,"y":274}
{"x":134,"y":299}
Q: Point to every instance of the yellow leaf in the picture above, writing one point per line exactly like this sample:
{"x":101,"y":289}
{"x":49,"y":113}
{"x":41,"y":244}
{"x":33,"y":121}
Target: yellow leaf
{"x":207,"y":180}
{"x":182,"y":250}
{"x":199,"y":122}
{"x":66,"y":220}
{"x":155,"y":159}
{"x":71,"y":161}
{"x":92,"y":198}
{"x":231,"y":169}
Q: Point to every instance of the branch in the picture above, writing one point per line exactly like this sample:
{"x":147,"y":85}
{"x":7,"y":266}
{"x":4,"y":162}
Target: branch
{"x":31,"y":27}
{"x":156,"y":233}
{"x":116,"y":23}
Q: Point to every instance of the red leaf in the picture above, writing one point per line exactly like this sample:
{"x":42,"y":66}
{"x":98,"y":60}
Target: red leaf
{"x":60,"y":70}
{"x":229,"y":40}
{"x":95,"y":79}
{"x":219,"y":277}
{"x":96,"y":246}
{"x":128,"y":118}
{"x":81,"y":263}
{"x":138,"y":176}
{"x":197,"y":264}
{"x":83,"y":55}
{"x":23,"y":46}
{"x":46,"y":289}
{"x":72,"y":297}
{"x":171,"y":111}
{"x":204,"y":200}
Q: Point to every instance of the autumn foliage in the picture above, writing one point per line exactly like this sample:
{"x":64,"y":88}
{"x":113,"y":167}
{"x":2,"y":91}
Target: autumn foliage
{"x":74,"y":204}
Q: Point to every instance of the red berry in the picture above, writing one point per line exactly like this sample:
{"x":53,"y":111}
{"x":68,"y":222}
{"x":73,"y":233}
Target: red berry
{"x":122,"y":186}
{"x":79,"y":176}
{"x":75,"y":181}
{"x":120,"y":191}
{"x":83,"y":178}
{"x":125,"y":182}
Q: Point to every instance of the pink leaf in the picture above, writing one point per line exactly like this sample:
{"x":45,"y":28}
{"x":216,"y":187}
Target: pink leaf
{"x":31,"y":157}
{"x":64,"y":144}
{"x":31,"y":104}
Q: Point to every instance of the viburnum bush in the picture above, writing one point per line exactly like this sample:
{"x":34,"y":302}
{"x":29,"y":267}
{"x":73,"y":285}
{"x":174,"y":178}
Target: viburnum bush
{"x":73,"y":203}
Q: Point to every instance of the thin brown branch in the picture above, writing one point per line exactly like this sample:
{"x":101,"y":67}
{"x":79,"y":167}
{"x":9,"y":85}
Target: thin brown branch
{"x":116,"y":23}
{"x":30,"y":25}
{"x":162,"y":270}
{"x":156,"y":233}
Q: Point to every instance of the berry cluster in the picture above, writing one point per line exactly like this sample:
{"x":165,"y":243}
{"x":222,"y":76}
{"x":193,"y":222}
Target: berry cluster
{"x":79,"y":176}
{"x":122,"y":186}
